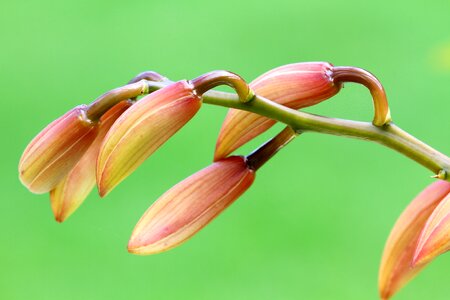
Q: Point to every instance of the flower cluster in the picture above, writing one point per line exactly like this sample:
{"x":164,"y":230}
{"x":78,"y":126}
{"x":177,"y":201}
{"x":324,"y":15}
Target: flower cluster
{"x":102,"y":143}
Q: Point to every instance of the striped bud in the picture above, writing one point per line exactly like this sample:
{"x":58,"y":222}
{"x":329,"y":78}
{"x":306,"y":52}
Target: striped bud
{"x":55,"y":151}
{"x":296,"y":86}
{"x":190,"y":205}
{"x":397,"y":260}
{"x":141,"y":130}
{"x":70,"y":193}
{"x":435,"y":237}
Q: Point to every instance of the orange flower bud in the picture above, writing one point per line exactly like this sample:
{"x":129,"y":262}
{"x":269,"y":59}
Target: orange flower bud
{"x":296,"y":86}
{"x":396,"y":264}
{"x":435,"y":237}
{"x":54,"y":151}
{"x":141,"y":130}
{"x":70,"y":193}
{"x":190,"y":205}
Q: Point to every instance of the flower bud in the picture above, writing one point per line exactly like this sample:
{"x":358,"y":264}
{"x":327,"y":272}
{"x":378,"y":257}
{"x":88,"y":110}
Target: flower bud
{"x":296,"y":86}
{"x":70,"y":193}
{"x":141,"y":130}
{"x":190,"y":205}
{"x":396,"y":264}
{"x":54,"y":151}
{"x":435,"y":237}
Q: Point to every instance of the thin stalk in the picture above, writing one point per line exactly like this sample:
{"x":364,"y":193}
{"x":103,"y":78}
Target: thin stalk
{"x":260,"y":156}
{"x":147,"y":75}
{"x":103,"y":103}
{"x":137,"y":86}
{"x":212,"y":79}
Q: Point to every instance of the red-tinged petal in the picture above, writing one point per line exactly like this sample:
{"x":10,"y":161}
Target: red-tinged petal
{"x":435,"y":237}
{"x":54,"y":151}
{"x":141,"y":130}
{"x":190,"y":205}
{"x":296,"y":86}
{"x":70,"y":193}
{"x":396,"y":264}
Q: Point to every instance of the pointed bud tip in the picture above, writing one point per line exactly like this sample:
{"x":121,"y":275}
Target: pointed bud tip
{"x":55,"y":150}
{"x":138,"y":246}
{"x":57,"y":207}
{"x":132,"y":248}
{"x":102,"y":190}
{"x":140,"y":250}
{"x":106,"y":184}
{"x":418,"y":260}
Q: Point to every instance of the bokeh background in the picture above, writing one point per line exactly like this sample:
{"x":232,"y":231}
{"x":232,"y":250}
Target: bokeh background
{"x":314,"y":224}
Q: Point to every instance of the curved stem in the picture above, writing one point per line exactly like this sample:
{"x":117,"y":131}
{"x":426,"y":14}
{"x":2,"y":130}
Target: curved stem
{"x":147,"y":75}
{"x":137,"y":86}
{"x":357,"y":75}
{"x":388,"y":135}
{"x":103,"y":103}
{"x":210,"y":80}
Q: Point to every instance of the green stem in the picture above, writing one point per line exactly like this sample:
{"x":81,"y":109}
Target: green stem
{"x":388,"y":135}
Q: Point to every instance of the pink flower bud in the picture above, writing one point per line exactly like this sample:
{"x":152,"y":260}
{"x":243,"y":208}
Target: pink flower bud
{"x":296,"y":86}
{"x":141,"y":130}
{"x":435,"y":237}
{"x":190,"y":205}
{"x":70,"y":193}
{"x":54,"y":151}
{"x":396,"y":265}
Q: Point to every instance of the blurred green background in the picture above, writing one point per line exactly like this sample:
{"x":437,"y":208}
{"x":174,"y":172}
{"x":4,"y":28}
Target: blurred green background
{"x":313,"y":225}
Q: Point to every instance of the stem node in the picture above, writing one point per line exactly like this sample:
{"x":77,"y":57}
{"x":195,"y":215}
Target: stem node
{"x":442,"y":175}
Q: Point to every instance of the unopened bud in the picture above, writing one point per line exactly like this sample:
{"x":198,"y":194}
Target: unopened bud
{"x":141,"y":130}
{"x":296,"y":86}
{"x":70,"y":193}
{"x":190,"y":205}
